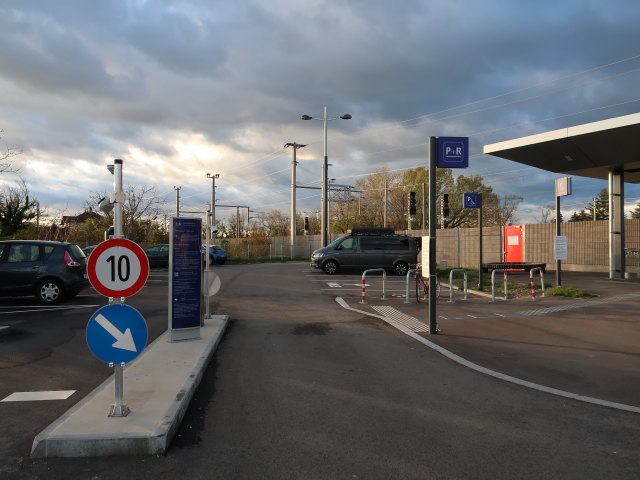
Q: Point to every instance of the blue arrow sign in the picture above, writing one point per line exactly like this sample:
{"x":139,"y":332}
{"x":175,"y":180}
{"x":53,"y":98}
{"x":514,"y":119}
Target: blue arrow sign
{"x":472,"y":200}
{"x":453,"y":152}
{"x":116,"y":333}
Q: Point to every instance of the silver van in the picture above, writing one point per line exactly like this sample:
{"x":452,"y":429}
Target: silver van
{"x":365,"y":248}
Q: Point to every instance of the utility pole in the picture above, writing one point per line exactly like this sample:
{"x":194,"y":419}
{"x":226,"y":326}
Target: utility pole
{"x":292,"y":221}
{"x":177,"y":189}
{"x":384,"y":205}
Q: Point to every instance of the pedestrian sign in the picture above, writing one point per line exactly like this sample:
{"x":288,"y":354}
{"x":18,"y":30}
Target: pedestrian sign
{"x":116,"y":333}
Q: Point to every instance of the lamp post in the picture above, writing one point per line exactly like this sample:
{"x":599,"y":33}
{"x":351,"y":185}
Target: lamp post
{"x":210,"y":231}
{"x":325,"y":176}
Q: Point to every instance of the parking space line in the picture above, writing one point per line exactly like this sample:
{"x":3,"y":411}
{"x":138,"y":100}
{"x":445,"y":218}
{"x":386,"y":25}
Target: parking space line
{"x":44,"y":308}
{"x":38,"y":396}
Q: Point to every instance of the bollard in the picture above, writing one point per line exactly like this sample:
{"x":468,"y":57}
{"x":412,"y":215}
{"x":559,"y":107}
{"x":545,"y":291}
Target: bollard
{"x":451,"y":283}
{"x":493,"y":284}
{"x":533,"y":288}
{"x":412,"y":271}
{"x":384,"y":281}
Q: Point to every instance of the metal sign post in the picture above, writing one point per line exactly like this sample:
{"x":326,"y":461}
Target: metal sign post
{"x":444,"y":152}
{"x":433,"y":154}
{"x":117,"y":268}
{"x":474,"y":200}
{"x":563,"y":188}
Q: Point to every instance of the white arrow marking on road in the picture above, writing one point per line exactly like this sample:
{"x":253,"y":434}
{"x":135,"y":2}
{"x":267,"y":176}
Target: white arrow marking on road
{"x":124,"y":341}
{"x":333,"y":284}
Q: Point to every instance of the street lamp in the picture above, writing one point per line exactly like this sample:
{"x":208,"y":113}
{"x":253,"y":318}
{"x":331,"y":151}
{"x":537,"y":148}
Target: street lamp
{"x":325,"y":175}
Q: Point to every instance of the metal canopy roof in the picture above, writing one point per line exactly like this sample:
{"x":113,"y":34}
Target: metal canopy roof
{"x":587,"y":150}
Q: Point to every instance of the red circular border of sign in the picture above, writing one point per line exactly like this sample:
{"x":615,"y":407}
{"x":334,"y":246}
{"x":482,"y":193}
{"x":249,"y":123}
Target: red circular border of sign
{"x":118,"y":242}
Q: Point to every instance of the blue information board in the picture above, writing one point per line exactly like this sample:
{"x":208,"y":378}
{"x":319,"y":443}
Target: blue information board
{"x":116,"y":333}
{"x":472,"y":200}
{"x":453,"y":152}
{"x":185,"y":276}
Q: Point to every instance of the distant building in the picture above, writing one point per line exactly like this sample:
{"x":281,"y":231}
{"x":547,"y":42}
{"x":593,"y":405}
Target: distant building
{"x":69,"y":220}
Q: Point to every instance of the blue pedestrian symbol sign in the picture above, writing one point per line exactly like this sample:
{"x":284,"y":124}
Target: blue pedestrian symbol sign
{"x":453,"y":152}
{"x":116,"y":333}
{"x":472,"y":200}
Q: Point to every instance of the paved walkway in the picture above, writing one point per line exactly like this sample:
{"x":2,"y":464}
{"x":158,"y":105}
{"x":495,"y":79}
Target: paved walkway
{"x":590,"y":347}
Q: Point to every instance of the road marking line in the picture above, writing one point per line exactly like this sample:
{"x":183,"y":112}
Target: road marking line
{"x":68,"y":307}
{"x":492,"y":373}
{"x":37,"y":396}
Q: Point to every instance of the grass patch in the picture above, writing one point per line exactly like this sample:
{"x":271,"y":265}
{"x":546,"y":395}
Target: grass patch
{"x":567,"y":292}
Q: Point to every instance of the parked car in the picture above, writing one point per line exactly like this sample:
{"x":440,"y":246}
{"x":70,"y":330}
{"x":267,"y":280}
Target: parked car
{"x":52,"y":271}
{"x":216,"y":253}
{"x":158,"y":255}
{"x":87,"y":250}
{"x":367,"y":248}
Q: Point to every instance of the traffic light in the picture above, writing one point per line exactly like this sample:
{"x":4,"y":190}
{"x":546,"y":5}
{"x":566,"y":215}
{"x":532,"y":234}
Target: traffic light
{"x":412,"y":203}
{"x":445,"y":205}
{"x":306,"y":224}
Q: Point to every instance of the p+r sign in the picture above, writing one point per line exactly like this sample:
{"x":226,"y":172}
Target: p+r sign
{"x":453,"y":152}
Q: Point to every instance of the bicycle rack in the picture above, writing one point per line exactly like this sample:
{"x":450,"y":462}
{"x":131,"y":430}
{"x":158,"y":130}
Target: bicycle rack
{"x":533,"y":287}
{"x":493,"y":284}
{"x":384,"y":282}
{"x":464,"y":287}
{"x":406,"y":296}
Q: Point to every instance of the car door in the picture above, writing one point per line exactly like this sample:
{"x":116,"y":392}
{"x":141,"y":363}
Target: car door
{"x":20,"y":267}
{"x":372,"y":254}
{"x":346,"y":252}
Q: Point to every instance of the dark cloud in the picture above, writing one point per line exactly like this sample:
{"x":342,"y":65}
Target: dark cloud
{"x":92,"y":81}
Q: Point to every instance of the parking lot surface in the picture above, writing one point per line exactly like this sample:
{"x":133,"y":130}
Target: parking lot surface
{"x":588,"y":346}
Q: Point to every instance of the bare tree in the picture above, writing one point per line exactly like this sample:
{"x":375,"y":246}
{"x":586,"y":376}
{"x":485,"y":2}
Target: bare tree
{"x":6,"y":163}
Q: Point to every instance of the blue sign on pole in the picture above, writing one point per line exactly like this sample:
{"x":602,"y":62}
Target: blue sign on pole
{"x":453,"y":152}
{"x":116,"y":333}
{"x":472,"y":200}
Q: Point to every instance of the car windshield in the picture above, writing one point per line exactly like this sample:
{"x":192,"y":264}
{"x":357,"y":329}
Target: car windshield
{"x":336,"y":242}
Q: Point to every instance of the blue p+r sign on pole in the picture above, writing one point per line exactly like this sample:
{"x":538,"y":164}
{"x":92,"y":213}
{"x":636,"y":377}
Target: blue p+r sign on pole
{"x":453,"y":152}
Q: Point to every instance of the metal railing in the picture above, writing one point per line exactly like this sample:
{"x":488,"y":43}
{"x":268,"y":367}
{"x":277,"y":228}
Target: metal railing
{"x":493,"y":284}
{"x":384,"y":282}
{"x":406,"y":292}
{"x":464,"y":287}
{"x":533,"y":286}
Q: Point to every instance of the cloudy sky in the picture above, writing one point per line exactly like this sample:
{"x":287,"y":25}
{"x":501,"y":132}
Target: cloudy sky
{"x":179,"y":89}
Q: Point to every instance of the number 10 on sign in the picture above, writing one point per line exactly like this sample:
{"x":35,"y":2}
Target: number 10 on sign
{"x":118,"y":268}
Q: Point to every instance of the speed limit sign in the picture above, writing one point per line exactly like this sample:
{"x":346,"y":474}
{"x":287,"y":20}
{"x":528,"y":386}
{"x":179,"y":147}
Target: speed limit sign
{"x":118,"y":268}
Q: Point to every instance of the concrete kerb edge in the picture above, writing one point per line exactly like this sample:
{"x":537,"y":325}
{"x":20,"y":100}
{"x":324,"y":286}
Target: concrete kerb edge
{"x":160,"y":438}
{"x":478,"y":368}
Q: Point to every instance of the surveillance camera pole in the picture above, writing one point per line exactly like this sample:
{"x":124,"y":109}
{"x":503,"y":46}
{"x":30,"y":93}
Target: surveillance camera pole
{"x":119,"y":198}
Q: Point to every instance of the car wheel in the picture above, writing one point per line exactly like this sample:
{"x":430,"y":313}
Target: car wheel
{"x":50,"y":291}
{"x":400,"y":268}
{"x":330,"y":267}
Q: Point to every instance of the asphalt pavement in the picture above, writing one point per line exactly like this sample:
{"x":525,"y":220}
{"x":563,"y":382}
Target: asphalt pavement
{"x":585,"y":346}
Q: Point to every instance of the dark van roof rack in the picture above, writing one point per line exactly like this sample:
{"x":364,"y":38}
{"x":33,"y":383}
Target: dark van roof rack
{"x":372,"y":231}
